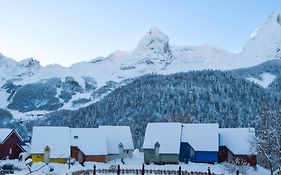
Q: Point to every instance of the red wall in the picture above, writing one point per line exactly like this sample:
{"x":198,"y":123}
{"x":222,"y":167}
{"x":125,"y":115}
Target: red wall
{"x":250,"y":159}
{"x":95,"y":158}
{"x":74,"y":153}
{"x":11,"y":142}
{"x":223,"y":154}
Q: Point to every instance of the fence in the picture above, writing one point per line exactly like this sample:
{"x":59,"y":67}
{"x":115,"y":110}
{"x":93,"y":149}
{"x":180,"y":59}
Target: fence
{"x":142,"y":171}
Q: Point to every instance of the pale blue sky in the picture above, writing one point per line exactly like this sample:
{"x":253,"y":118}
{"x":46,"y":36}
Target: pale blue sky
{"x":68,"y":31}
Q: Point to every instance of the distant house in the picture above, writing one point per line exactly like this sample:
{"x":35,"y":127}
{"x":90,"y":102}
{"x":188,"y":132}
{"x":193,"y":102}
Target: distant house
{"x":50,"y":144}
{"x":199,"y":143}
{"x":88,"y":144}
{"x":234,"y":144}
{"x":11,"y":144}
{"x":119,"y":142}
{"x":162,"y":143}
{"x":58,"y":144}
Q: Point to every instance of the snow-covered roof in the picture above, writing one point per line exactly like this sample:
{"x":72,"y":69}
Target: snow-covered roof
{"x":116,"y":135}
{"x":91,"y":141}
{"x":201,"y":137}
{"x":237,"y":140}
{"x":56,"y":138}
{"x":4,"y":132}
{"x":168,"y":135}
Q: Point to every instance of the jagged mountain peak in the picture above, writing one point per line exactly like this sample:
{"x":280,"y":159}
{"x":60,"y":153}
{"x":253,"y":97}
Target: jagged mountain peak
{"x":30,"y":62}
{"x":264,"y":43}
{"x":271,"y":27}
{"x":154,"y":54}
{"x":153,"y":40}
{"x":274,"y":18}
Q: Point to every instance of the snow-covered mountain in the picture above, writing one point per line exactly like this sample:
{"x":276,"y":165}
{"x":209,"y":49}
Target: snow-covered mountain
{"x":29,"y":88}
{"x":264,"y":44}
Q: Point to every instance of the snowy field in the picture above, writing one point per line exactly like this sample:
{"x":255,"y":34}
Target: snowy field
{"x":134,"y":163}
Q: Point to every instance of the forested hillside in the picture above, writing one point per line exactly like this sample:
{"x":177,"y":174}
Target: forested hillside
{"x":202,"y":96}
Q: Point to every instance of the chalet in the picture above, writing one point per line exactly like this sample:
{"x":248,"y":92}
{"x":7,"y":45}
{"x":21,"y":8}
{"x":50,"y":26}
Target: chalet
{"x":88,"y":144}
{"x":162,"y":143}
{"x":58,"y":144}
{"x":11,"y":144}
{"x":234,"y":144}
{"x":50,"y":144}
{"x":119,"y":142}
{"x":199,"y":143}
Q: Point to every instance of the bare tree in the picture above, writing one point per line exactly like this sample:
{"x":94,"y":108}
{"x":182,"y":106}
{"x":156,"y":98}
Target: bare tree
{"x":268,"y":138}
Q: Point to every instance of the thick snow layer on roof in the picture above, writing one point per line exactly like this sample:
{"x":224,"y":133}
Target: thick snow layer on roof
{"x":116,"y":135}
{"x":166,"y":134}
{"x":237,"y":140}
{"x":4,"y":132}
{"x":201,"y":137}
{"x":56,"y":138}
{"x":91,"y":141}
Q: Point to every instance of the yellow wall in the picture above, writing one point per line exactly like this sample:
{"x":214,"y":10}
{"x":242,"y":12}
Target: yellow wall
{"x":40,"y":158}
{"x":37,"y":157}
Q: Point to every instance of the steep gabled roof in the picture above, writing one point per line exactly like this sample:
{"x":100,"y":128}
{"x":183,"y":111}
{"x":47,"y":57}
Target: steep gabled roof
{"x":238,"y":140}
{"x":56,"y":138}
{"x":91,"y":141}
{"x":6,"y":132}
{"x":201,"y":137}
{"x":168,"y":135}
{"x":116,"y":135}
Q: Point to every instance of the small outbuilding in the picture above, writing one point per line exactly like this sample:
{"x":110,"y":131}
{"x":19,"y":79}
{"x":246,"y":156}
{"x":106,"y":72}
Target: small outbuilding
{"x":235,"y":145}
{"x":50,"y":144}
{"x":11,"y":144}
{"x":162,"y":143}
{"x":199,"y":143}
{"x":119,"y":141}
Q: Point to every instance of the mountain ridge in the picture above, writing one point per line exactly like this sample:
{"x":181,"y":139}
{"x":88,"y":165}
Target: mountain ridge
{"x":155,"y":54}
{"x":84,"y":83}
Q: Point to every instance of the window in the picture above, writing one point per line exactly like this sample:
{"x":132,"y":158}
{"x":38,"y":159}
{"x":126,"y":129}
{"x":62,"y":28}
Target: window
{"x":10,"y":151}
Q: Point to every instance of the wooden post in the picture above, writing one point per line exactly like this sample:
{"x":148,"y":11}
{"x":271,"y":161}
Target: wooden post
{"x":118,"y":170}
{"x":180,"y":170}
{"x":237,"y":172}
{"x":142,"y":169}
{"x":94,"y":172}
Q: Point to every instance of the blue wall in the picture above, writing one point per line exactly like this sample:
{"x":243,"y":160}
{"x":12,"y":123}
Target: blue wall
{"x":184,"y":152}
{"x":199,"y":157}
{"x":206,"y":157}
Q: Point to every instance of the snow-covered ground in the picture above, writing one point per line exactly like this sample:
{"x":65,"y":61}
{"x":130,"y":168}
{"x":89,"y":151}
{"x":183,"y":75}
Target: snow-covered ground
{"x":265,"y":79}
{"x":134,"y":163}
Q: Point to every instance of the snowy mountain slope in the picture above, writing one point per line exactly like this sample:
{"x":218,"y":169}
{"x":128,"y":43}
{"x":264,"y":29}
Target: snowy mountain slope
{"x":264,"y":44}
{"x":11,"y":69}
{"x":265,"y":79}
{"x":86,"y":82}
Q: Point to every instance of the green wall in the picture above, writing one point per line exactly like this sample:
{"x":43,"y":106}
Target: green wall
{"x":149,"y":157}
